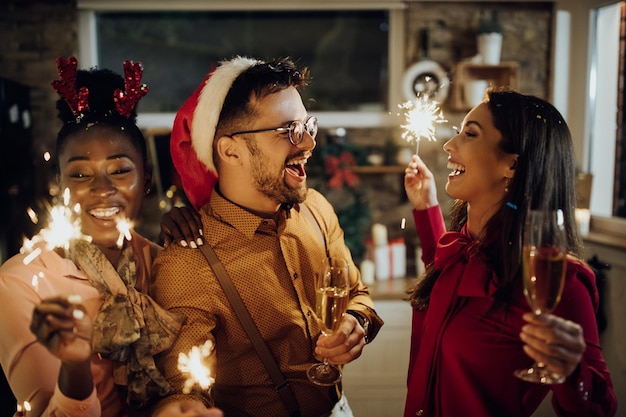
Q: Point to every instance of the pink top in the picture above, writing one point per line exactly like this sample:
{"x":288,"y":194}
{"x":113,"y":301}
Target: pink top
{"x":463,"y":353}
{"x":31,"y":370}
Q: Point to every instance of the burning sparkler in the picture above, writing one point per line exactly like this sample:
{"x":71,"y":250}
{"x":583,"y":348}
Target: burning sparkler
{"x":193,"y":364}
{"x":62,"y":228}
{"x":421,"y":115}
{"x":22,"y":409}
{"x":124,"y":226}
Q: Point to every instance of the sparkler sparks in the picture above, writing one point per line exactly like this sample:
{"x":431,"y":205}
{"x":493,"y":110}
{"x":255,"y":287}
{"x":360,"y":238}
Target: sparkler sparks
{"x":22,"y":409}
{"x":62,"y":228}
{"x":193,"y":364}
{"x":124,"y":226}
{"x":421,"y":115}
{"x":35,"y":280}
{"x":32,"y":215}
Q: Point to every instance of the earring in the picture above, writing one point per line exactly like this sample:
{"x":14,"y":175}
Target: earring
{"x":506,"y":187}
{"x":147,"y":191}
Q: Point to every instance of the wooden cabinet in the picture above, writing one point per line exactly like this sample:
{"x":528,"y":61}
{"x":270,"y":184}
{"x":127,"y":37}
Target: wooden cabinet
{"x":503,"y":74}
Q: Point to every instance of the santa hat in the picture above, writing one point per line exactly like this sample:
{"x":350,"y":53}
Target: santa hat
{"x":191,"y":141}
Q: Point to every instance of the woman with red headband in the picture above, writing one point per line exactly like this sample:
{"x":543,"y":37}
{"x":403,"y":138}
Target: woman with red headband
{"x":87,"y":349}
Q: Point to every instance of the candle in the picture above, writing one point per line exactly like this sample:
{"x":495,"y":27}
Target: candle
{"x":419,"y":264}
{"x":368,"y":272}
{"x":379,"y":234}
{"x":583,"y":219}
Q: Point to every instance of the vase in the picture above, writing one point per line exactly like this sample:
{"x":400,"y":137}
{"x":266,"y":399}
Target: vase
{"x":474,"y":91}
{"x":490,"y":47}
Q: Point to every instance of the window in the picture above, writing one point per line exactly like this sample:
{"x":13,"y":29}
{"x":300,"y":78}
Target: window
{"x":348,"y":52}
{"x":607,"y":158}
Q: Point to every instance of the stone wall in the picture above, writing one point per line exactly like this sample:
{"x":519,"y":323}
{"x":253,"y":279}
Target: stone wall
{"x":526,"y":30}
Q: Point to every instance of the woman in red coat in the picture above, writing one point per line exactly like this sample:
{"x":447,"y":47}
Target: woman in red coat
{"x":472,"y":327}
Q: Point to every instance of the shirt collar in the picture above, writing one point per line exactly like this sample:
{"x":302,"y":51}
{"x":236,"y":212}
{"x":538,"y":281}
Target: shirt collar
{"x":236,"y":216}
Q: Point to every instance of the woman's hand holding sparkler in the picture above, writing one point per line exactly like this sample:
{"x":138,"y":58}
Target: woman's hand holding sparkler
{"x":419,"y":184}
{"x":64,"y":328}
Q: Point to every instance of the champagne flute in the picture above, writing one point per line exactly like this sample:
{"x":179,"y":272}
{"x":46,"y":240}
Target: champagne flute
{"x":544,"y":263}
{"x":332,"y":289}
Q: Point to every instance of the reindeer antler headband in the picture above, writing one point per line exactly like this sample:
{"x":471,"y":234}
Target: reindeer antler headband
{"x":78,"y":101}
{"x":66,"y":87}
{"x":134,"y":90}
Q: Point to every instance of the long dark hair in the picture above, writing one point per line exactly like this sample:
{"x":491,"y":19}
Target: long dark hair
{"x":544,"y":178}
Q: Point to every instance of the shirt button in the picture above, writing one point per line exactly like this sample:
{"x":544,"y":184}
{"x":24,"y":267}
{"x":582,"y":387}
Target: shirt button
{"x":419,"y":413}
{"x":295,"y":275}
{"x":308,"y":313}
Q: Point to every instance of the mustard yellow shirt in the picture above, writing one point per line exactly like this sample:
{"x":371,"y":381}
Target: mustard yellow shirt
{"x":272,"y":265}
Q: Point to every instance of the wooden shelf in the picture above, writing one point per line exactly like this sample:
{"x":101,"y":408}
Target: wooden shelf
{"x":379,"y":169}
{"x":505,"y":74}
{"x":391,"y":289}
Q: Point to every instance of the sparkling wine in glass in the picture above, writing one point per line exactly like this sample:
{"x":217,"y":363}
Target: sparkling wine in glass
{"x":544,"y":261}
{"x":332,"y":289}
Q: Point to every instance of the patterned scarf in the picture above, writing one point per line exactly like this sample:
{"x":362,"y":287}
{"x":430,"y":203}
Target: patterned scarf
{"x":130,"y":327}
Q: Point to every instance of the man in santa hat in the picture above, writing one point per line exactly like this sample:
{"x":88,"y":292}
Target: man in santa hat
{"x":240,"y":145}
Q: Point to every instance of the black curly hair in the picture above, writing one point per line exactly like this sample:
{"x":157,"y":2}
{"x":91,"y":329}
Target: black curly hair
{"x":101,"y":84}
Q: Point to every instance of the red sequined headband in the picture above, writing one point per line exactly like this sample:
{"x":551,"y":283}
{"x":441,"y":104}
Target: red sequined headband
{"x":78,"y":101}
{"x":134,"y":90}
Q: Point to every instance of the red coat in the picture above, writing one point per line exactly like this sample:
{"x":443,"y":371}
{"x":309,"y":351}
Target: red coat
{"x":463,"y":354}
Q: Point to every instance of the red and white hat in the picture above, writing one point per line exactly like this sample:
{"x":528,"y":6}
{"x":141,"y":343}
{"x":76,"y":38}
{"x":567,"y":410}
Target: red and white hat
{"x":193,"y":132}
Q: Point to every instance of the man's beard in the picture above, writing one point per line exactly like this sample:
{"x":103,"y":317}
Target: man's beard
{"x":273,"y":186}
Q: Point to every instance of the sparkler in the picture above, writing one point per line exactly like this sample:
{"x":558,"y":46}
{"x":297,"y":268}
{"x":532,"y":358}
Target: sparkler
{"x":421,"y":115}
{"x":35,"y":280}
{"x":63,"y":227}
{"x":22,"y":409}
{"x":124,"y":226}
{"x":193,"y":364}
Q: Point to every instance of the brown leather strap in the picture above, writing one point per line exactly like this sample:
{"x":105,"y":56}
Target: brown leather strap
{"x":281,"y":384}
{"x":313,"y":220}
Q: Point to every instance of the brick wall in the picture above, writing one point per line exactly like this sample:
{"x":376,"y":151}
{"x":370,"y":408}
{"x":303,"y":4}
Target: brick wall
{"x":33,"y":34}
